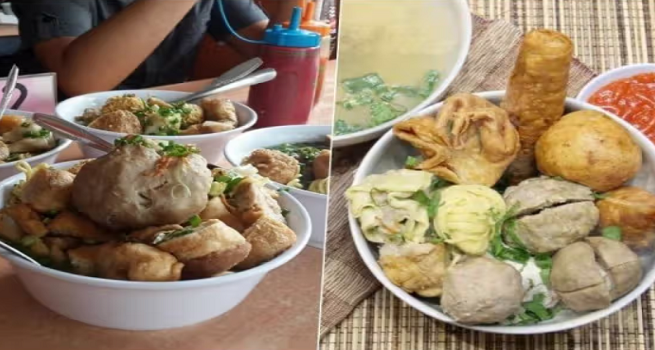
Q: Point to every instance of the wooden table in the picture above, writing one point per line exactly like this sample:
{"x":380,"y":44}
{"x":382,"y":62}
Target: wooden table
{"x":281,"y":313}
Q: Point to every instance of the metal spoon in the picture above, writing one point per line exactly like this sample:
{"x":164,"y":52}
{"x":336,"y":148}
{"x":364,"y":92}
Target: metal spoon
{"x":258,"y":77}
{"x":18,"y":253}
{"x":240,"y":71}
{"x":64,"y":128}
{"x":8,"y":90}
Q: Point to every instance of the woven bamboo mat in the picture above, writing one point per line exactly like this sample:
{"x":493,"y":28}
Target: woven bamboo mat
{"x":607,"y":34}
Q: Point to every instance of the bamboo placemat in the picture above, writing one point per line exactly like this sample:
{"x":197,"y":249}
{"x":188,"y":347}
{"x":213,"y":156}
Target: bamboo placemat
{"x":600,"y":29}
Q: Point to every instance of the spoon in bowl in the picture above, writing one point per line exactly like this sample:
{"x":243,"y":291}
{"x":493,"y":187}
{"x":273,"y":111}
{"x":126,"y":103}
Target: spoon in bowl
{"x":13,"y":251}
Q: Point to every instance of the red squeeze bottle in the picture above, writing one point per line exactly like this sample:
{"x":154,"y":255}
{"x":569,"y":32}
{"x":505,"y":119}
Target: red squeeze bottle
{"x":295,"y":55}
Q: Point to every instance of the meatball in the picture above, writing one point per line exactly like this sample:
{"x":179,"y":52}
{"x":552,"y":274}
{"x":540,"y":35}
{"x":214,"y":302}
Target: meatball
{"x":551,"y":214}
{"x":217,"y":208}
{"x":127,"y":102}
{"x":252,"y":201}
{"x":415,"y":267}
{"x":321,"y":166}
{"x":274,"y":165}
{"x":118,"y":121}
{"x":482,"y":291}
{"x":269,"y":238}
{"x":554,"y":228}
{"x":48,"y":190}
{"x":134,"y":187}
{"x":219,"y":110}
{"x":126,"y":261}
{"x":533,"y":195}
{"x":589,"y":275}
{"x":206,"y":250}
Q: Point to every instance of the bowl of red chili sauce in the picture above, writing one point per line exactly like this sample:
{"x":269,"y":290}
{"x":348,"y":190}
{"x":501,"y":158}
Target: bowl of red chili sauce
{"x":628,"y":92}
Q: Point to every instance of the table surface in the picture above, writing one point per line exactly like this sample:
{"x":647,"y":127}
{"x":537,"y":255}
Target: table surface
{"x":606,"y":34}
{"x":281,"y":313}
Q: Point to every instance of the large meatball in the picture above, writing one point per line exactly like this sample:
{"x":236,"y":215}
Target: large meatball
{"x":118,"y":121}
{"x":552,"y":214}
{"x":589,"y":275}
{"x":127,"y":102}
{"x":134,"y":187}
{"x":589,"y":148}
{"x":275,"y":165}
{"x":482,"y":291}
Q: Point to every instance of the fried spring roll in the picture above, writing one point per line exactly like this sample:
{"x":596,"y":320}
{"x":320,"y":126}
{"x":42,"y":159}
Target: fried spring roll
{"x":536,"y":93}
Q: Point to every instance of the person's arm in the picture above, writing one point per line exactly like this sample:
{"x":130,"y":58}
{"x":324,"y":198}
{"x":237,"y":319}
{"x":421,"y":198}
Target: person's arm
{"x":104,"y":56}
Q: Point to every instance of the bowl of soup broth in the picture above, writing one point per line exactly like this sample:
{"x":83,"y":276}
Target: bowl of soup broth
{"x":394,"y":61}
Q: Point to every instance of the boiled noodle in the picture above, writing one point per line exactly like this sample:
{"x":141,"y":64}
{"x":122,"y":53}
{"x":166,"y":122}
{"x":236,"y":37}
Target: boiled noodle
{"x":467,"y":216}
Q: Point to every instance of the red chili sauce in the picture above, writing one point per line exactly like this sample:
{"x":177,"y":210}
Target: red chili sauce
{"x":632,"y":99}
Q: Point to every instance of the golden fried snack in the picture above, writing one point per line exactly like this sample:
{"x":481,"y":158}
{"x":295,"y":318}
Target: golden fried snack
{"x":536,"y":93}
{"x":268,"y":238}
{"x":28,"y":220}
{"x":472,"y":141}
{"x":589,"y":148}
{"x":125,"y":261}
{"x":70,"y":224}
{"x":633,"y":210}
{"x":218,"y":208}
{"x":148,"y":234}
{"x":273,"y":164}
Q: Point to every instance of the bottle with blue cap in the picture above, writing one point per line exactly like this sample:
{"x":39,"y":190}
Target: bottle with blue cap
{"x":295,"y":54}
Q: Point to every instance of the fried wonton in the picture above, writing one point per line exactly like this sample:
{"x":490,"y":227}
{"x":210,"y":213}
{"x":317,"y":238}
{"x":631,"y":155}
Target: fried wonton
{"x":471,"y":140}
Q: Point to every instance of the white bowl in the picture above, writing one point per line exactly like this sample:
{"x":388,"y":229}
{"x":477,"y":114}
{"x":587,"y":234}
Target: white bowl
{"x":316,"y":204}
{"x":148,"y":305}
{"x":612,"y":75}
{"x":50,"y":157}
{"x":390,"y":153}
{"x":465,"y":29}
{"x":210,"y":145}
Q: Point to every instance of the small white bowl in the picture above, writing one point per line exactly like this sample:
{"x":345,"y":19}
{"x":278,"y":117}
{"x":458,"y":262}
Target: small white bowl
{"x":131,"y":305}
{"x":50,"y":157}
{"x":316,"y":204}
{"x":210,"y":145}
{"x":612,"y":75}
{"x":465,"y":29}
{"x":390,"y":153}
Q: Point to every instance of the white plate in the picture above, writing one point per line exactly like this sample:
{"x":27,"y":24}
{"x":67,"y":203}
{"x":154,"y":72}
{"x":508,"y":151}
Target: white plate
{"x":148,"y":305}
{"x":465,"y":29}
{"x":50,"y":157}
{"x":390,"y":153}
{"x":210,"y":145}
{"x":316,"y":204}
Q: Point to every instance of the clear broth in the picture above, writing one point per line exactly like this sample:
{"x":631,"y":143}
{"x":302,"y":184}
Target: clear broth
{"x":400,"y":42}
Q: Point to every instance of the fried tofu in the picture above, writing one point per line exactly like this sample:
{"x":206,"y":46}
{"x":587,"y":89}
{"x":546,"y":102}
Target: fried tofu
{"x":70,"y":224}
{"x":268,"y":238}
{"x":27,"y":219}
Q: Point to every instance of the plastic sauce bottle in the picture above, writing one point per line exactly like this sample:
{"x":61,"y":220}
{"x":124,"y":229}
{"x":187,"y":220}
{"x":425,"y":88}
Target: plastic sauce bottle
{"x":294,"y":54}
{"x":323,"y":29}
